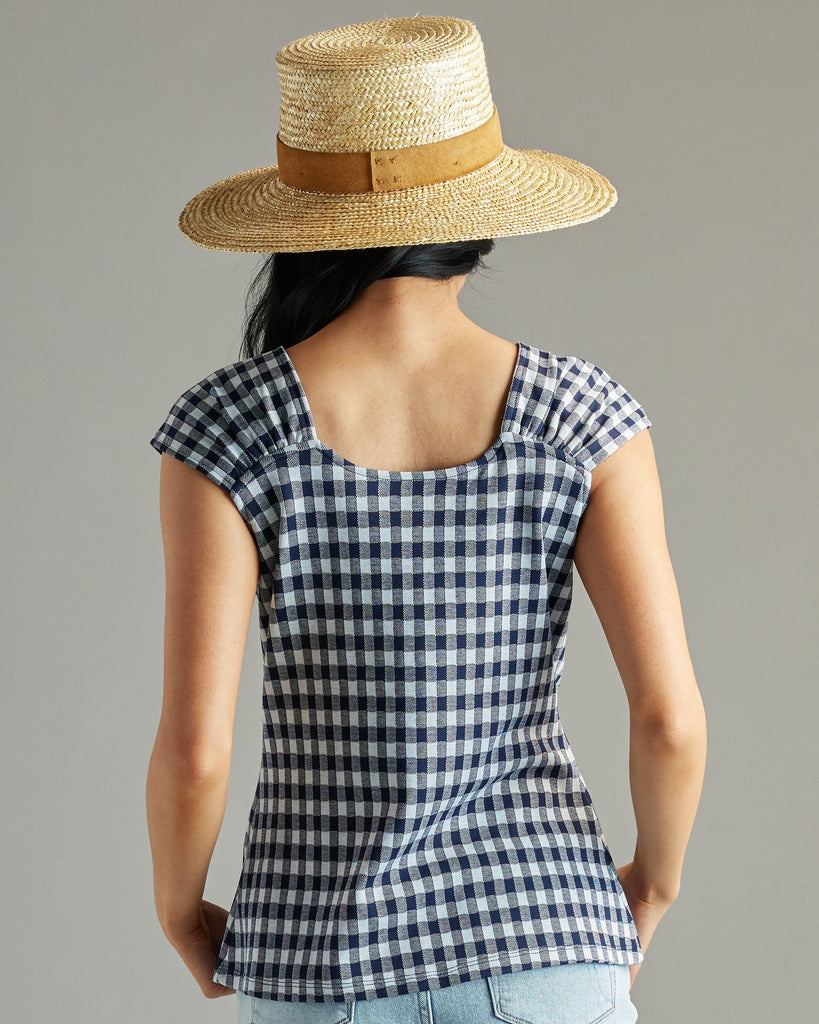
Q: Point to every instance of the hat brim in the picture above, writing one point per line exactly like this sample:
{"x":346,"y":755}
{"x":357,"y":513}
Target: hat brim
{"x":521,"y":192}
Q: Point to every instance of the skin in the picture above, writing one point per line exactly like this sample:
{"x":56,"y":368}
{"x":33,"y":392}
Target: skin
{"x":375,"y":378}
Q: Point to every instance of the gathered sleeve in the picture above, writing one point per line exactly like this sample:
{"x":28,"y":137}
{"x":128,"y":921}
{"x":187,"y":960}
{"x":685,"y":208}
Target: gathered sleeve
{"x":592,"y":414}
{"x":201,"y":431}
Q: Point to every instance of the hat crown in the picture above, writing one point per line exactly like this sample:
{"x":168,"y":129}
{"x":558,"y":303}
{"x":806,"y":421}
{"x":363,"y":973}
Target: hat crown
{"x":386,"y":84}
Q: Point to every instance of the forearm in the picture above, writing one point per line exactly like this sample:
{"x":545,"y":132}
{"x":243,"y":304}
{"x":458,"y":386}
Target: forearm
{"x":666,"y":769}
{"x":185,"y":809}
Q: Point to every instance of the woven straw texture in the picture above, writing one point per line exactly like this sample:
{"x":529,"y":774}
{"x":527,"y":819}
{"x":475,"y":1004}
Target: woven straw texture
{"x":391,"y":84}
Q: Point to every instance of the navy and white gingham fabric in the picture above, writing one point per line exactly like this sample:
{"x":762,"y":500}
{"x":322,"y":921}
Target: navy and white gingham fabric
{"x":419,"y":818}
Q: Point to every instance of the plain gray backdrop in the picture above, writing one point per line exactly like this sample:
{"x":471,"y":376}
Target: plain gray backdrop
{"x":697,"y":291}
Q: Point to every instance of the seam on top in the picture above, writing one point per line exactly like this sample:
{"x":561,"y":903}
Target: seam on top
{"x":306,"y":441}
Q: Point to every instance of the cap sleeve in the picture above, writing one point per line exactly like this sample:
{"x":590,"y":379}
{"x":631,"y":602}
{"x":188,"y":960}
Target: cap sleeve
{"x":592,"y":414}
{"x":200,"y":431}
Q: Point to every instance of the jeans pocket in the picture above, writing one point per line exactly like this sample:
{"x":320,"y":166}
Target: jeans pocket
{"x":277,"y":1011}
{"x":578,"y":993}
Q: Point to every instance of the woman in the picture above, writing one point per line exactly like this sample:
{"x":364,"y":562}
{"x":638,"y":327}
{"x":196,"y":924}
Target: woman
{"x":406,"y":495}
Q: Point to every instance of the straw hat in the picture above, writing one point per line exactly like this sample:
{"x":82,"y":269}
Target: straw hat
{"x":388,"y":136}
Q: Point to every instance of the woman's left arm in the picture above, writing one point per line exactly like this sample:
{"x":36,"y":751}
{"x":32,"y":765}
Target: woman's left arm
{"x":211,"y":573}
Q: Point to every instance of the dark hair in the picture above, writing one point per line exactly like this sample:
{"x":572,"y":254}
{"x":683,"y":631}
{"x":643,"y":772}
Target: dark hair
{"x":294,"y":294}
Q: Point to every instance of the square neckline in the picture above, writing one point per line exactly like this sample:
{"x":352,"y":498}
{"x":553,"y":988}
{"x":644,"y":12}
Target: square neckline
{"x":331,"y":455}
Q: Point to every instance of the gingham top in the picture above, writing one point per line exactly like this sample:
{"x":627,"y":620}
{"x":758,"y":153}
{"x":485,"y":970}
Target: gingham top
{"x":419,"y":818}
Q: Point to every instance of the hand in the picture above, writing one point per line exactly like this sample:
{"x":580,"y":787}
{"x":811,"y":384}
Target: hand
{"x":199,"y":947}
{"x":646,"y":913}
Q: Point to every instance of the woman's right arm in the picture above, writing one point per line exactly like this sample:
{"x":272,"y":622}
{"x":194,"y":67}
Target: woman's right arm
{"x":622,"y":558}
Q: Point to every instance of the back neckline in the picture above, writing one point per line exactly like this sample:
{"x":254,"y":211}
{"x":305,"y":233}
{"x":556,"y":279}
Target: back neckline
{"x":504,"y":435}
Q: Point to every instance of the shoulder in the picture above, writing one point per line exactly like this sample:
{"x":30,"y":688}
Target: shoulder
{"x":583,"y":411}
{"x":246,"y":385}
{"x":227,"y":420}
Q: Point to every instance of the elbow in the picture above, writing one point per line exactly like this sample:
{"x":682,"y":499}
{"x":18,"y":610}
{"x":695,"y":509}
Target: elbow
{"x":671,"y":728}
{"x":192,"y":762}
{"x":205,"y":767}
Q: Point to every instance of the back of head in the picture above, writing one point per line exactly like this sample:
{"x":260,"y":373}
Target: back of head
{"x":295,"y":294}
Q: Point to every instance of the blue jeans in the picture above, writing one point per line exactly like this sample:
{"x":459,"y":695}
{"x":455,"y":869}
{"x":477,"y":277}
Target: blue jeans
{"x":582,"y":993}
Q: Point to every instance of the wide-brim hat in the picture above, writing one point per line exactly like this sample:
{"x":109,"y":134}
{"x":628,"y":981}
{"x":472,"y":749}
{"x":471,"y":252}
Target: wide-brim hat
{"x":388,"y":135}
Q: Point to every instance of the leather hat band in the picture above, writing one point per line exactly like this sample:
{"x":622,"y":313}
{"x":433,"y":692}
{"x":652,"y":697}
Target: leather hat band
{"x":385,"y":170}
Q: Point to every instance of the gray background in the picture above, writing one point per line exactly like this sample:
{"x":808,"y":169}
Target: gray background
{"x":697,"y":291}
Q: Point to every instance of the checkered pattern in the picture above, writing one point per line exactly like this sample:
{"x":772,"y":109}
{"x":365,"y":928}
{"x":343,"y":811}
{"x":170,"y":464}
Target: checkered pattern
{"x":419,"y":818}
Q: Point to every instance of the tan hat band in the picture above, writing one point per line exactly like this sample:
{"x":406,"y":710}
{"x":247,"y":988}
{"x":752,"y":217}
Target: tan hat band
{"x":382,"y":170}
